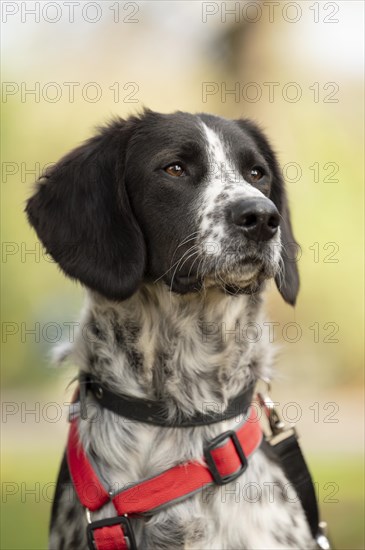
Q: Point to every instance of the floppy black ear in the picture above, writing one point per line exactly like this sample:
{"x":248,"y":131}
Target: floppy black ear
{"x":287,"y":280}
{"x":82,"y":214}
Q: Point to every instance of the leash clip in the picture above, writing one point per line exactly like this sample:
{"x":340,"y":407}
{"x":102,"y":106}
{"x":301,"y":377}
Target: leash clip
{"x":277,"y":425}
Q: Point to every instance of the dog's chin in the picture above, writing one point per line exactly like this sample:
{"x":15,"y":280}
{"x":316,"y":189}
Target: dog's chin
{"x":245,"y":279}
{"x":243,"y":287}
{"x":248,"y":282}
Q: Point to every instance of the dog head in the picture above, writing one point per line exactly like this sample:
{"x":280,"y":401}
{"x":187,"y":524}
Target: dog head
{"x":186,"y":199}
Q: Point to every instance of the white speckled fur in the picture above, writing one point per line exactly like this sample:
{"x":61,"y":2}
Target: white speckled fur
{"x":224,"y":177}
{"x":225,"y":185}
{"x":126,"y":451}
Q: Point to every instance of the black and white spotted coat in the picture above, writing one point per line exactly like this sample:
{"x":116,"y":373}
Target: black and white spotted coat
{"x":162,"y":346}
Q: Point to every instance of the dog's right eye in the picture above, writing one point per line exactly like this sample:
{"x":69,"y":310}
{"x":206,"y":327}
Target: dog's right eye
{"x":175,"y":170}
{"x":256,"y":174}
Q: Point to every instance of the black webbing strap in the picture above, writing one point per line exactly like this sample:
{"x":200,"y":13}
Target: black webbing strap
{"x":296,"y":470}
{"x":155,"y":412}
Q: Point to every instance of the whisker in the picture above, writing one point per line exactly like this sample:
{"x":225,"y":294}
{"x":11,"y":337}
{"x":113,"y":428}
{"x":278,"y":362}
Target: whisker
{"x":183,"y":242}
{"x":176,"y":263}
{"x":187,"y":240}
{"x":191,"y":267}
{"x":192,"y":254}
{"x":177,"y":267}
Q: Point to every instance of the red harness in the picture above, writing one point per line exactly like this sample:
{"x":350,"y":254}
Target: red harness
{"x":225,"y":458}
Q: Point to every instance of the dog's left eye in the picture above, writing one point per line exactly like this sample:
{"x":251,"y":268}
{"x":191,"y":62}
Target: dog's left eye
{"x":256,"y":174}
{"x":175,"y":170}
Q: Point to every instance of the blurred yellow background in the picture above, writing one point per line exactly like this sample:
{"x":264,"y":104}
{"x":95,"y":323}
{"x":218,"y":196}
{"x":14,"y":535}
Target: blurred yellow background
{"x":296,"y":68}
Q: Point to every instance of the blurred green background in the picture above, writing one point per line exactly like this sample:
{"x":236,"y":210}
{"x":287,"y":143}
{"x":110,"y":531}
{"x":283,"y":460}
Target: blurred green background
{"x":296,"y":68}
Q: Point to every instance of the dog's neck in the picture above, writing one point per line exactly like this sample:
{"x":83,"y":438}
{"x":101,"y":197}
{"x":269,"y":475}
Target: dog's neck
{"x":185,"y":350}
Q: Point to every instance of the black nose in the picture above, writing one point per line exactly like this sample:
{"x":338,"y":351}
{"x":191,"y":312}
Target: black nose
{"x":258,"y":218}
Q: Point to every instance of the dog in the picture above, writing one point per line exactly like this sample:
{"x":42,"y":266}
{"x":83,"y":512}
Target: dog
{"x":174,"y":223}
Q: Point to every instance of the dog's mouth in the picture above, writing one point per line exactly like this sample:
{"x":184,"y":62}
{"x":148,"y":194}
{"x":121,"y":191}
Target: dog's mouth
{"x":247,"y":277}
{"x":240,"y":269}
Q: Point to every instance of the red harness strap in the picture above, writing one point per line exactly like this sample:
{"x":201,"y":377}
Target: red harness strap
{"x":110,"y":538}
{"x":225,"y":459}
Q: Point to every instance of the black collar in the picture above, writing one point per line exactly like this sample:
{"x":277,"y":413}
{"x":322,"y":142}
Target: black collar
{"x":155,"y":412}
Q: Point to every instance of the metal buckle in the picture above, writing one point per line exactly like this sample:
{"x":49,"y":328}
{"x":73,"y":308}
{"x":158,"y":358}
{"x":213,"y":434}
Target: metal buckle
{"x":125,"y":526}
{"x":277,"y":426}
{"x":321,"y":539}
{"x":213,"y":444}
{"x":73,"y":411}
{"x":278,"y":429}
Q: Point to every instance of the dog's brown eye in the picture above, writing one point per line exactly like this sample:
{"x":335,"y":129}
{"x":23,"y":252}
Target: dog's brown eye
{"x":256,"y":174}
{"x":175,"y":170}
